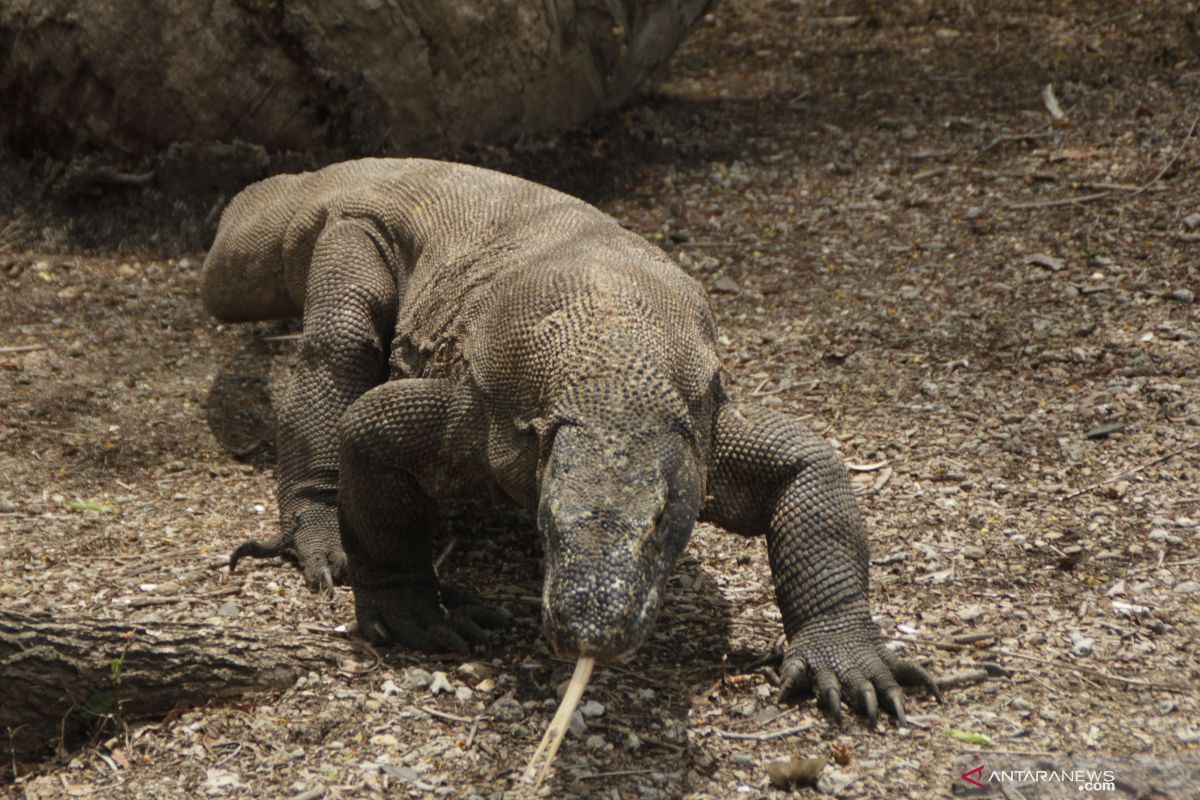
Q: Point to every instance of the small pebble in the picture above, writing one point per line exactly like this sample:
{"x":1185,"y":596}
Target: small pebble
{"x":507,"y":709}
{"x":416,"y":678}
{"x":726,"y":284}
{"x":974,"y":552}
{"x":440,"y":683}
{"x":1082,"y":645}
{"x":592,"y":709}
{"x":970,"y":613}
{"x":795,"y":772}
{"x":834,"y":781}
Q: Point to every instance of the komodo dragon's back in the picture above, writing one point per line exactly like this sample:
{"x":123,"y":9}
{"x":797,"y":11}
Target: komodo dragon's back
{"x":463,"y":225}
{"x":467,"y":330}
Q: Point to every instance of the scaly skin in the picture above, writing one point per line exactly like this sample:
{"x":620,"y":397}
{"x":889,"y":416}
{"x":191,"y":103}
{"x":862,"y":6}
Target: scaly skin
{"x":464,"y":329}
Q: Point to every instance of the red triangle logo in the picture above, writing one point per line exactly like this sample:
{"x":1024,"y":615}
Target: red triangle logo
{"x":977,"y":772}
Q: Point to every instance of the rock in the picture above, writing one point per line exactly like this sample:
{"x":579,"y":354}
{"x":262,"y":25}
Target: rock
{"x":1104,"y":431}
{"x":930,"y":389}
{"x":974,"y":552}
{"x":507,"y":709}
{"x":462,"y":694}
{"x":385,"y":740}
{"x":591,"y":709}
{"x":1192,"y":221}
{"x":834,"y":781}
{"x":416,"y":678}
{"x":476,"y":670}
{"x":1187,"y":587}
{"x":795,"y":772}
{"x":1182,"y":296}
{"x":1046,"y":261}
{"x":1163,"y":535}
{"x":389,"y":688}
{"x":407,"y":774}
{"x":1080,"y":644}
{"x":228,"y":610}
{"x":440,"y":683}
{"x":970,"y":613}
{"x":577,"y":726}
{"x":726,"y":284}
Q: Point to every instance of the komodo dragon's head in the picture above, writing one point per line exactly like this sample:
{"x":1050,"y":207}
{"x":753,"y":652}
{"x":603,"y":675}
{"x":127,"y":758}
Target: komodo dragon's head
{"x":618,"y":499}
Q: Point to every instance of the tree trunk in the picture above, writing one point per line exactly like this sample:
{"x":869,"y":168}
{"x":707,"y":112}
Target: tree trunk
{"x":58,"y":677}
{"x":323,"y":77}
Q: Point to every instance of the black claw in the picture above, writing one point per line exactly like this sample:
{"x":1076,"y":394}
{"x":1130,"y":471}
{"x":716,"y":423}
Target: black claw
{"x":910,"y":674}
{"x":894,"y":698}
{"x":868,"y":703}
{"x":325,"y":582}
{"x":271,"y":548}
{"x":831,"y":702}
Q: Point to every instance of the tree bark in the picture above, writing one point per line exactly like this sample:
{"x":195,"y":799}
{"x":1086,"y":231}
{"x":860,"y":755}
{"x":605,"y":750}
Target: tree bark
{"x":323,"y":77}
{"x":58,"y":677}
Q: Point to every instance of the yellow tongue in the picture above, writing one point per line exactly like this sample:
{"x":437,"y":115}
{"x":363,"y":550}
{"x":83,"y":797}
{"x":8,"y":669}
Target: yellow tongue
{"x":558,"y":726}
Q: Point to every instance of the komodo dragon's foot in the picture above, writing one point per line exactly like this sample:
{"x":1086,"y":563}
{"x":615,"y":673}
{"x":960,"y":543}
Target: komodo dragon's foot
{"x":313,"y":545}
{"x":835,"y":657}
{"x":424,"y":616}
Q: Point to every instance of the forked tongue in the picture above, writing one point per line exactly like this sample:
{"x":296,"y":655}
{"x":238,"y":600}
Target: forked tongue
{"x":558,"y":726}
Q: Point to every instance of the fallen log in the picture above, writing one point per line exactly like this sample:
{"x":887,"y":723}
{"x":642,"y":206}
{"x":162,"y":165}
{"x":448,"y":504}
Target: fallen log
{"x":60,"y":677}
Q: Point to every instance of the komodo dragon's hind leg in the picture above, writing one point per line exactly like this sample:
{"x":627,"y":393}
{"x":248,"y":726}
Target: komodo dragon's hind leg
{"x":770,"y":475}
{"x":388,"y":437}
{"x":349,"y":312}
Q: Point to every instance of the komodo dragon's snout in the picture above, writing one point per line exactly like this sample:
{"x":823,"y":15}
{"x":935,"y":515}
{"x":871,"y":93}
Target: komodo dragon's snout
{"x":615,"y":511}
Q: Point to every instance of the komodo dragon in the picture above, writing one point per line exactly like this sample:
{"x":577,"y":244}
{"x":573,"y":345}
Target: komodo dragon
{"x":465,"y":331}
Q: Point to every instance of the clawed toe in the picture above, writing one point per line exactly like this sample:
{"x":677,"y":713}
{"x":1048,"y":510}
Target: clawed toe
{"x":855,"y":667}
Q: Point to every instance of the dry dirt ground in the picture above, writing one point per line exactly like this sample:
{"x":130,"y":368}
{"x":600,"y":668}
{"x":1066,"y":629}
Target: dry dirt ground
{"x":902,"y":248}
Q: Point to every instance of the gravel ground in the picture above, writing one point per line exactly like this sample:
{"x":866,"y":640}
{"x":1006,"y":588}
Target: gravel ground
{"x":989,"y":310}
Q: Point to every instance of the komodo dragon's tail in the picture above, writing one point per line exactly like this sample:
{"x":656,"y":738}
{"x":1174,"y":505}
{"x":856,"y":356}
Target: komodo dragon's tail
{"x":244,"y":275}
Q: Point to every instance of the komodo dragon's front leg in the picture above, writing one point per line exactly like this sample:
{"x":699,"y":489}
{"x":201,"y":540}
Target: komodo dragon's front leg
{"x":769,"y":475}
{"x":349,"y":314}
{"x":393,"y":456}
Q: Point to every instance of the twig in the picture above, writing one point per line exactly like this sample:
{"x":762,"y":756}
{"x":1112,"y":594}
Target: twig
{"x":1009,"y":753}
{"x":1088,"y":198}
{"x":646,"y":739}
{"x":1051,"y":103}
{"x":1108,"y":676}
{"x":768,"y":735}
{"x":1063,"y":201}
{"x":616,"y":773}
{"x":283,"y":337}
{"x":1170,"y":164}
{"x":433,"y":712}
{"x":1127,"y":473}
{"x":1016,"y":137}
{"x":23,"y":348}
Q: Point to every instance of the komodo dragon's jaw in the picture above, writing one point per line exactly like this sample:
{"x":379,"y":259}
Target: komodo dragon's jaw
{"x":615,"y":511}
